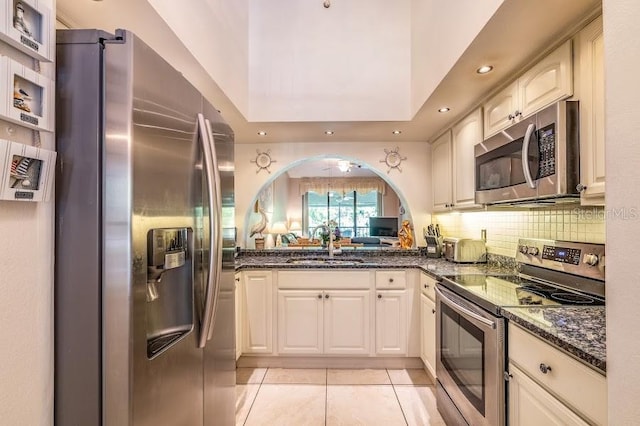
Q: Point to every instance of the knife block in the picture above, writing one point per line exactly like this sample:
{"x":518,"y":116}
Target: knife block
{"x":434,"y":246}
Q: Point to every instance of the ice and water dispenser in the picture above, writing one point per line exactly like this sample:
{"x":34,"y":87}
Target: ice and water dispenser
{"x":169,"y":308}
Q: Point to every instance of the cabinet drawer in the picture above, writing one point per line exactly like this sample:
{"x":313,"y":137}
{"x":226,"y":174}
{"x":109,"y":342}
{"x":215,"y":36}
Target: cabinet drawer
{"x":580,"y":387}
{"x":324,"y":280}
{"x":391,"y":280}
{"x":428,"y":286}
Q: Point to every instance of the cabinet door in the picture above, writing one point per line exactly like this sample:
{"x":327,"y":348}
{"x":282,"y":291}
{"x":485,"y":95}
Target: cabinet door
{"x":548,"y":81}
{"x":238,"y":300}
{"x":258,"y":312}
{"x":531,"y":405}
{"x":441,"y":176}
{"x":428,"y":333}
{"x":300,"y":321}
{"x":500,"y":110}
{"x":346,"y":322}
{"x":590,"y":54}
{"x":391,"y":322}
{"x":466,"y":135}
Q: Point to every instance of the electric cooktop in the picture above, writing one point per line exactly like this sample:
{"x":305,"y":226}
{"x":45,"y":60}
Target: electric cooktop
{"x":495,"y":291}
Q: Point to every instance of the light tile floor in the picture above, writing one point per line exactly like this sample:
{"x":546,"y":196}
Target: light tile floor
{"x":332,"y":397}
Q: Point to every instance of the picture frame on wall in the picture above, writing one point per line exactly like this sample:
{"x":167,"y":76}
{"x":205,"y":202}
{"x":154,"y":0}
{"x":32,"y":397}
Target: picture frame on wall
{"x":26,"y":25}
{"x":26,"y":172}
{"x":26,"y":97}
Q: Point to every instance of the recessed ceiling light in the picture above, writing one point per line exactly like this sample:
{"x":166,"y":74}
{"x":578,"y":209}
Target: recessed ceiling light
{"x":444,"y":109}
{"x":397,"y":132}
{"x":328,"y":132}
{"x":484,"y":69}
{"x":262,"y":133}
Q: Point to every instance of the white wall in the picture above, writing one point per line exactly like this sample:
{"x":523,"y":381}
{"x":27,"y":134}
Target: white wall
{"x":26,"y":290}
{"x":349,"y":62}
{"x":440,"y":33}
{"x":622,"y":60}
{"x":411,"y":184}
{"x":215,"y":32}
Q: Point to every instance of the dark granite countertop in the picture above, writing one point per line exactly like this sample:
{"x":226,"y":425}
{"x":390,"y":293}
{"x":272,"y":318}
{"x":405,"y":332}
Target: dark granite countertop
{"x":578,"y":330}
{"x":383,"y":259}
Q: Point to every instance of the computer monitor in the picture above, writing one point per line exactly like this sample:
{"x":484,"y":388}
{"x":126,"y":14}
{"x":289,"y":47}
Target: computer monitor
{"x":383,"y":226}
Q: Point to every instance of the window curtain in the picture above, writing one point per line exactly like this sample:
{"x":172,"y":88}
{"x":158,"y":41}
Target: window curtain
{"x":342,"y":185}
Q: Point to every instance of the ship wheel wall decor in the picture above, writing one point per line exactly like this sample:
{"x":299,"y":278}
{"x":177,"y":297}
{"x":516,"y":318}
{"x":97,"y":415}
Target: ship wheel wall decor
{"x":263,"y":160}
{"x":393,"y":159}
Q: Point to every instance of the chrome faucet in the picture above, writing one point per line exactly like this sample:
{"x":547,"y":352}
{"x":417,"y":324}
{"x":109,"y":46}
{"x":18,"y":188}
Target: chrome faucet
{"x":328,"y":230}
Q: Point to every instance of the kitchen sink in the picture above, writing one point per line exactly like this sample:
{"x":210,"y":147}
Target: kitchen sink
{"x":324,"y":261}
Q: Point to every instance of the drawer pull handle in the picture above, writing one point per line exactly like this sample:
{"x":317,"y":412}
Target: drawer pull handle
{"x":326,"y":296}
{"x":379,"y":296}
{"x":390,"y":280}
{"x":319,"y":296}
{"x":544,"y":368}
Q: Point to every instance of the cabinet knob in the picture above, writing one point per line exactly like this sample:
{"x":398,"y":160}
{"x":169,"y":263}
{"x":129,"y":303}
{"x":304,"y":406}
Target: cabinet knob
{"x":544,"y":368}
{"x":326,"y":296}
{"x":580,"y":187}
{"x":379,"y":296}
{"x":433,"y":311}
{"x":319,"y":296}
{"x":238,"y":279}
{"x":426,"y":286}
{"x":390,"y":280}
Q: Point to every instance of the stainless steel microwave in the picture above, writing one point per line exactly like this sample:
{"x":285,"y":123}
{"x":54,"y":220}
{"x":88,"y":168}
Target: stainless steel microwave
{"x":535,"y":160}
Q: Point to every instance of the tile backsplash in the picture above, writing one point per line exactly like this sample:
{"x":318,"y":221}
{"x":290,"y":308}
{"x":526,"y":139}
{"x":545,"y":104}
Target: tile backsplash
{"x":505,"y":227}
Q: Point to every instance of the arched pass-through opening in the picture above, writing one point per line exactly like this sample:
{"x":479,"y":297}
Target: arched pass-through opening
{"x":251,"y":217}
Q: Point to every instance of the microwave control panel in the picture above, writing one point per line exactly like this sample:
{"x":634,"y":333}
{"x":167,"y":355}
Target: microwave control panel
{"x":547,"y":146}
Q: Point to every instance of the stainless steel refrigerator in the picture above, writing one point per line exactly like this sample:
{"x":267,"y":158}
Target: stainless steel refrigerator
{"x":144,"y":256}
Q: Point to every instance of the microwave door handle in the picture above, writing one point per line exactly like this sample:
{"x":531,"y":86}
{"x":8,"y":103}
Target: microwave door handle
{"x":465,"y":311}
{"x":525,"y":157}
{"x":209,"y":290}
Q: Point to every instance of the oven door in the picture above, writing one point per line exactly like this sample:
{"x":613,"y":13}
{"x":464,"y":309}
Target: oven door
{"x":470,"y":359}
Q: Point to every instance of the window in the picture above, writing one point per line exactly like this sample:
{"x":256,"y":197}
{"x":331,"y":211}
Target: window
{"x":351,"y":211}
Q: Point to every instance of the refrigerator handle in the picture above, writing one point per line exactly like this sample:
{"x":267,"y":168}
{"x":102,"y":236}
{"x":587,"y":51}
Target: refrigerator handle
{"x":207,"y":318}
{"x":217,"y":222}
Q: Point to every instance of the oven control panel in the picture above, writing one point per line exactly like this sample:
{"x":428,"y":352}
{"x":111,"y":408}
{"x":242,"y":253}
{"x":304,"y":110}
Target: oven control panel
{"x":583,"y":259}
{"x":562,"y":254}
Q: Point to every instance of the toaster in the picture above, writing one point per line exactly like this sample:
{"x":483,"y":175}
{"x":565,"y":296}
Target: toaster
{"x":464,"y":250}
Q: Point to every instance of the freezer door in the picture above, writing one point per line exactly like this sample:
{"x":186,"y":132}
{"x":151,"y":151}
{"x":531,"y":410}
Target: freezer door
{"x":219,"y":356}
{"x":152,"y":363}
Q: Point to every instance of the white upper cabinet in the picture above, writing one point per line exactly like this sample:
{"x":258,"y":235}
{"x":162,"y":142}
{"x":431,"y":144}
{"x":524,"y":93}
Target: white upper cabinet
{"x":590,"y":88}
{"x":453,"y":164}
{"x":548,"y":81}
{"x":441,"y":157}
{"x":465,"y":135}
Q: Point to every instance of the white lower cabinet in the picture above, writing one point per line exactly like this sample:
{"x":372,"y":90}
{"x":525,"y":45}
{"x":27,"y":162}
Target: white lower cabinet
{"x":238,"y":297}
{"x":428,"y":333}
{"x":391,"y":322}
{"x":547,"y":386}
{"x":323,"y":322}
{"x":257,"y":307}
{"x":531,"y":405}
{"x":346,"y":322}
{"x":300,"y":316}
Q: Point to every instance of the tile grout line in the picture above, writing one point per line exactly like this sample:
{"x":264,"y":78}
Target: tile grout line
{"x":326,"y":395}
{"x":254,"y":398}
{"x":393,"y":386}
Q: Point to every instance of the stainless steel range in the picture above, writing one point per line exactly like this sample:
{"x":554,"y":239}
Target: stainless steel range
{"x":471,"y":349}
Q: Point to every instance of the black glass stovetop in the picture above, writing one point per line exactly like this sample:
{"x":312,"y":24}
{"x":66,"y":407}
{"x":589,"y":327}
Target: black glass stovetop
{"x":493,"y":291}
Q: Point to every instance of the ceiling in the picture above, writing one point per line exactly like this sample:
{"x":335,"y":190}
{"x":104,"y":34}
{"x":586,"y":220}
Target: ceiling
{"x":520,"y":32}
{"x":328,"y":167}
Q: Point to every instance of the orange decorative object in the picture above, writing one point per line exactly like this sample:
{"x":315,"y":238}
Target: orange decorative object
{"x":405,"y":236}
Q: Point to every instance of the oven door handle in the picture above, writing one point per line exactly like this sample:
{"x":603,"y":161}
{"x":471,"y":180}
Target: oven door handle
{"x":525,"y":155}
{"x":466,"y":311}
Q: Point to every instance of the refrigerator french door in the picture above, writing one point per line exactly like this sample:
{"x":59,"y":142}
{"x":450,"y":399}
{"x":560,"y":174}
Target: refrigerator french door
{"x":144,"y":254}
